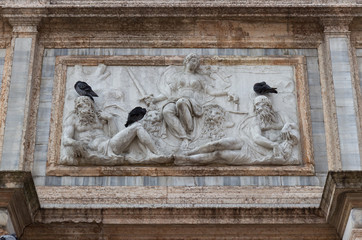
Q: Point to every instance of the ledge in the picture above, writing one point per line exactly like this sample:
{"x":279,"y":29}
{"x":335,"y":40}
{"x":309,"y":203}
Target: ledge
{"x":220,"y":9}
{"x":182,"y":3}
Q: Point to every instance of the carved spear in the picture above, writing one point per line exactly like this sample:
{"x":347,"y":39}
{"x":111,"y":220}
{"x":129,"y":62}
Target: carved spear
{"x":139,"y":87}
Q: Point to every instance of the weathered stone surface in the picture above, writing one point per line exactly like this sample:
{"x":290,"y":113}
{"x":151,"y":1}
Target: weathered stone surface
{"x":186,"y":197}
{"x":342,"y":190}
{"x":300,"y":87}
{"x":248,"y":28}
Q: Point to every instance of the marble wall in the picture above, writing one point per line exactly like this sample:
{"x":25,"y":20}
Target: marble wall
{"x":43,"y":124}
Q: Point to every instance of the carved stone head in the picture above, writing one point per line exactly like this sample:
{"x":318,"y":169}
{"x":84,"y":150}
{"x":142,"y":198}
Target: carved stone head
{"x":153,"y":116}
{"x":214,"y":114}
{"x":264,"y":112}
{"x":262,"y":103}
{"x":191,"y":62}
{"x":84,"y":108}
{"x":83,"y":102}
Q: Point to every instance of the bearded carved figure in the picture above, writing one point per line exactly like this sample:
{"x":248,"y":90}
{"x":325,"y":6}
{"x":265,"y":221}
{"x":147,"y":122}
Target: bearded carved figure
{"x":84,"y":137}
{"x":264,"y":138}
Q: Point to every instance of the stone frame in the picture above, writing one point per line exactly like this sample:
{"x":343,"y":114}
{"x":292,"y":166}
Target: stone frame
{"x":303,"y":109}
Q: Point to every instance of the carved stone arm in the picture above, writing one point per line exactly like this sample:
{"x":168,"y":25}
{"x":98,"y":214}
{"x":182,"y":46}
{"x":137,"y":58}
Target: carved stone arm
{"x":156,"y":99}
{"x":232,"y":97}
{"x":68,"y":133}
{"x":215,"y":92}
{"x":105,"y":116}
{"x":261,"y":140}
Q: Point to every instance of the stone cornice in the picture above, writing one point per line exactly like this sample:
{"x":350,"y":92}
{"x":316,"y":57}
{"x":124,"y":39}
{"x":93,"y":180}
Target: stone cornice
{"x":181,"y":3}
{"x":156,"y":10}
{"x":198,"y":8}
{"x":178,"y":197}
{"x":196,"y":215}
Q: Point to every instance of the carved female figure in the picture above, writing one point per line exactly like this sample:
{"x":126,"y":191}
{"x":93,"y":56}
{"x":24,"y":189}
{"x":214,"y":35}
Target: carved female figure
{"x":185,"y":99}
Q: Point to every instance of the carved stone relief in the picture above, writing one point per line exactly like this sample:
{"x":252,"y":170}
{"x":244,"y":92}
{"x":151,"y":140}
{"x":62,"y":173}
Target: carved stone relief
{"x":199,"y":112}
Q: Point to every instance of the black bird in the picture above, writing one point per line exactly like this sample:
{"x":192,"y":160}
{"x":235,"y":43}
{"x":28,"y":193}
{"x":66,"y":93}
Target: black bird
{"x":263,"y":88}
{"x":135,"y":115}
{"x":84,"y":89}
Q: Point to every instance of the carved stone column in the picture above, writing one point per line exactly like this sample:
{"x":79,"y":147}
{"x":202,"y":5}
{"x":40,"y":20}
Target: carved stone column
{"x":340,"y":95}
{"x":23,"y":46}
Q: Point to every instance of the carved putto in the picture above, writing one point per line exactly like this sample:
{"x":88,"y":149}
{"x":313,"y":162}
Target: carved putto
{"x":195,"y":115}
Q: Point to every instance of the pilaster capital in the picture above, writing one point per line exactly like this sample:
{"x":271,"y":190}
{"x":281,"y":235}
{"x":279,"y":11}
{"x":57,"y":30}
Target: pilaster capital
{"x":24,"y":24}
{"x":336,"y":24}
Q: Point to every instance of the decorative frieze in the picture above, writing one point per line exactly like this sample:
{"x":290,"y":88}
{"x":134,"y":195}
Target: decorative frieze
{"x":176,"y":144}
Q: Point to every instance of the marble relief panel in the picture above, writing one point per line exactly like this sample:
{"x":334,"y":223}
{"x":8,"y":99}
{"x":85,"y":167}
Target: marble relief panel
{"x":179,"y":115}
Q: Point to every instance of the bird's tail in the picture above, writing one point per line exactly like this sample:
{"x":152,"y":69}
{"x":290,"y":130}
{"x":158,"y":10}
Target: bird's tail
{"x":88,"y":95}
{"x":273,"y":90}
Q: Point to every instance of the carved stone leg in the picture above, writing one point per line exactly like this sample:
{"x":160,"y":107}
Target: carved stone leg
{"x":146,"y":140}
{"x":222,"y":144}
{"x":173,"y":123}
{"x":184,"y":114}
{"x":198,"y":159}
{"x":224,"y":157}
{"x":121,"y":140}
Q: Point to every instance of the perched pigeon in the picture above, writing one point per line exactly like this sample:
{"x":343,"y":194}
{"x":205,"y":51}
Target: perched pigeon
{"x":8,"y":237}
{"x":84,"y":89}
{"x":263,"y":88}
{"x":135,"y":115}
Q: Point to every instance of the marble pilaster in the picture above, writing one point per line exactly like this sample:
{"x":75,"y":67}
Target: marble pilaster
{"x":343,"y":119}
{"x":23,"y":50}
